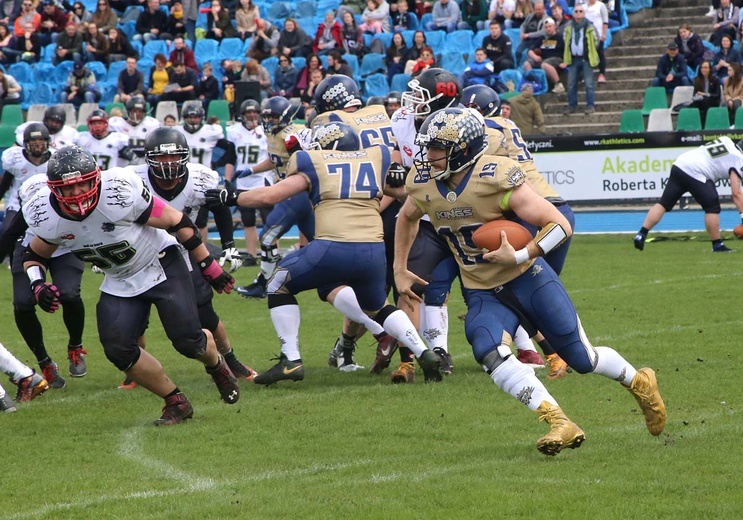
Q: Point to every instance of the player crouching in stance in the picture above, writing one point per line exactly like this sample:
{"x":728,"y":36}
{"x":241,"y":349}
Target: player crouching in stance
{"x":460,"y":189}
{"x":111,"y":220}
{"x":345,"y":184}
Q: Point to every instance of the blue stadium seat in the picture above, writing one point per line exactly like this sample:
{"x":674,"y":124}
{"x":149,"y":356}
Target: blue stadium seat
{"x":400,"y":82}
{"x":515,"y":36}
{"x":540,"y":77}
{"x":43,"y":71}
{"x":353,"y":62}
{"x":299,"y":62}
{"x":107,"y":94}
{"x":270,"y":64}
{"x":459,"y":41}
{"x":153,"y":47}
{"x":408,"y":36}
{"x":278,"y":10}
{"x":62,"y":72}
{"x":230,"y":49}
{"x":323,"y":6}
{"x":206,"y":50}
{"x":453,"y":61}
{"x":306,"y":9}
{"x":386,"y":38}
{"x":372,"y":63}
{"x":477,"y":38}
{"x":112,"y":77}
{"x":47,"y":53}
{"x":324,"y":60}
{"x":43,"y":94}
{"x":414,"y":22}
{"x":98,"y":69}
{"x":246,"y":46}
{"x":435,"y":40}
{"x":145,"y":67}
{"x":375,"y":85}
{"x":308,"y":25}
{"x":129,"y":28}
{"x":138,"y":46}
{"x":22,"y":72}
{"x":426,"y":18}
{"x":513,"y":75}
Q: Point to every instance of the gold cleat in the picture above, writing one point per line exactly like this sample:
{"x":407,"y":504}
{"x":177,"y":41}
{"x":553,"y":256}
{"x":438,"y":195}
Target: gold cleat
{"x":645,"y":390}
{"x":563,"y":433}
{"x":404,"y":374}
{"x":557,"y":367}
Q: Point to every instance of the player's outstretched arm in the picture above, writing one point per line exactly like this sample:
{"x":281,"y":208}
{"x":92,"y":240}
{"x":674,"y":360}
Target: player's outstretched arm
{"x":259,"y":197}
{"x":405,"y":231}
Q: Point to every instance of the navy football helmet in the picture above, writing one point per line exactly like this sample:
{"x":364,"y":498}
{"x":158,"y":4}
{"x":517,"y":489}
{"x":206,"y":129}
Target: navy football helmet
{"x":193,"y":116}
{"x":36,"y":139}
{"x":69,"y":167}
{"x":335,"y":136}
{"x":435,"y":89}
{"x":483,"y":99}
{"x":456,"y":130}
{"x":277,"y":114}
{"x":336,"y":93}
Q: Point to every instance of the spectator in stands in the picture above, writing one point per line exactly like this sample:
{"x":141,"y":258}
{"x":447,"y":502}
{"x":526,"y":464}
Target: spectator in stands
{"x":396,"y":53}
{"x":671,"y":70}
{"x":104,"y":17}
{"x":446,"y":16}
{"x":233,"y":69}
{"x":614,"y":7}
{"x":523,"y":9}
{"x":119,"y":47}
{"x":69,"y":45}
{"x":732,"y":91}
{"x":419,"y":43}
{"x":505,"y":108}
{"x":81,"y":87}
{"x":480,"y":71}
{"x":129,"y":83}
{"x":498,"y":48}
{"x":151,"y":24}
{"x":175,"y":24}
{"x":549,"y":6}
{"x":401,"y":18}
{"x":190,"y":14}
{"x":581,"y":57}
{"x":474,"y":14}
{"x":182,"y":53}
{"x":246,"y":15}
{"x":328,"y":36}
{"x":548,"y":56}
{"x":532,"y":31}
{"x":352,"y":35}
{"x":690,"y":46}
{"x":303,"y":77}
{"x":726,"y":22}
{"x":376,"y":17}
{"x":29,"y":45}
{"x":306,"y":94}
{"x":265,"y":42}
{"x":597,"y":14}
{"x":96,"y":44}
{"x":53,"y":21}
{"x":27,"y":15}
{"x":10,"y":90}
{"x":208,"y":89}
{"x":337,"y":65}
{"x":159,"y":78}
{"x":219,"y":22}
{"x":182,"y":84}
{"x":169,"y":120}
{"x":425,"y":61}
{"x":706,"y":90}
{"x":254,"y":71}
{"x":558,"y":15}
{"x":725,"y":56}
{"x":526,"y":112}
{"x":502,"y":12}
{"x":293,"y":41}
{"x":285,"y":77}
{"x":8,"y":52}
{"x":80,"y":15}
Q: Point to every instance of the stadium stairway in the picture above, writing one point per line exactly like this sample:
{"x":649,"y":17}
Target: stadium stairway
{"x":631,"y":61}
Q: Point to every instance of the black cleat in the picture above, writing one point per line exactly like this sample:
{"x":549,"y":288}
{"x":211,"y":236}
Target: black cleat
{"x":386,"y":347}
{"x":176,"y":410}
{"x":225,"y":381}
{"x":640,"y":241}
{"x":447,"y":364}
{"x":257,"y":289}
{"x":284,"y":369}
{"x":432,"y":366}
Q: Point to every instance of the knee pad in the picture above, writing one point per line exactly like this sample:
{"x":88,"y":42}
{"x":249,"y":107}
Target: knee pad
{"x":208,"y":317}
{"x":436,"y":293}
{"x":270,"y":253}
{"x":123,"y":357}
{"x":495,"y":358}
{"x":278,"y":300}
{"x":192,"y":345}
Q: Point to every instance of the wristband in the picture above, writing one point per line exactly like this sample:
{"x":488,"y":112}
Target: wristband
{"x":35,"y":274}
{"x":521,"y":256}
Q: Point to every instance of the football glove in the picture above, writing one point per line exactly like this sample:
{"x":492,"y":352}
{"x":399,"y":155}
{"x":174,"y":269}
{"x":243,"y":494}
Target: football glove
{"x":232,"y":256}
{"x":217,"y":277}
{"x":47,"y":295}
{"x":97,"y":270}
{"x":396,"y":175}
{"x":225,"y":196}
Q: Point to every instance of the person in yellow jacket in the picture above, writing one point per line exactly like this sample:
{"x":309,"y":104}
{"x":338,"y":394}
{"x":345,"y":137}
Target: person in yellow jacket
{"x":581,"y":55}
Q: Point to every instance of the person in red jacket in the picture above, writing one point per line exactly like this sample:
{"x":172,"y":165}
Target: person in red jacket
{"x":329,"y":35}
{"x":181,"y":53}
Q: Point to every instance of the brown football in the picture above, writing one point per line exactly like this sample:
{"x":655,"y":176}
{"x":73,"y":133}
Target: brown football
{"x":487,"y":236}
{"x":738,"y":231}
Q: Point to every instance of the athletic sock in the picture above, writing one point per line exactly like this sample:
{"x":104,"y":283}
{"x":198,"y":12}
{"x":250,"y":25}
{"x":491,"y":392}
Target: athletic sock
{"x":518,"y":380}
{"x":73,"y":315}
{"x":522,"y":340}
{"x":436,"y":329}
{"x":348,"y":305}
{"x":399,"y":326}
{"x":286,"y":320}
{"x":611,"y":364}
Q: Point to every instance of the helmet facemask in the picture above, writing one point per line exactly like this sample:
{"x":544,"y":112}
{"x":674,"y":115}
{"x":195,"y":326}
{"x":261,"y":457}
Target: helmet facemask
{"x":77,"y":193}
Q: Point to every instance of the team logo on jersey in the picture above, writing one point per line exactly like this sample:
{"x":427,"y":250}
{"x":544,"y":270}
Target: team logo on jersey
{"x":68,"y":236}
{"x":515,"y":176}
{"x":107,"y":227}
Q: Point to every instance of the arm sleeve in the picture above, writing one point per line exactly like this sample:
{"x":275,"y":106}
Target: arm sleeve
{"x":229,"y":156}
{"x":223,"y":220}
{"x":5,"y":183}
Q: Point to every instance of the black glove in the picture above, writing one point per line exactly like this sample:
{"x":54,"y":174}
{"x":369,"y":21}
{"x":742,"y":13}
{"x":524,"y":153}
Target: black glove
{"x":46,"y":294}
{"x":228,"y":184}
{"x":396,"y":175}
{"x":225,"y":197}
{"x":217,"y":277}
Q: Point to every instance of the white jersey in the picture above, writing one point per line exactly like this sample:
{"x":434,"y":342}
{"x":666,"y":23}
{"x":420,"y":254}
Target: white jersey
{"x":65,"y":137}
{"x":136,"y":134}
{"x":27,"y":190}
{"x":15,"y":162}
{"x":106,"y":151}
{"x":111,"y":236}
{"x":251,"y":147}
{"x":403,"y":128}
{"x":191,"y":197}
{"x":712,"y":160}
{"x":202,"y":142}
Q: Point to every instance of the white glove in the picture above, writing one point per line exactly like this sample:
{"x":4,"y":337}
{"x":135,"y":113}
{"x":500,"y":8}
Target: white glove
{"x":232,"y":256}
{"x":97,"y":270}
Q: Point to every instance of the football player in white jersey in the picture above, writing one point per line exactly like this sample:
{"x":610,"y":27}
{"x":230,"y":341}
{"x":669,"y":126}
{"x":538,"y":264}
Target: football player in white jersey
{"x":696,"y":172}
{"x":55,"y":118}
{"x":67,"y":273}
{"x":251,"y":148}
{"x":112,"y":220}
{"x":137,"y":124}
{"x":183,"y":185}
{"x":110,"y":149}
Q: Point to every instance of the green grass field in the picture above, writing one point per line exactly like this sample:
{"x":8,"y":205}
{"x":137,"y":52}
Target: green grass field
{"x":355,"y":446}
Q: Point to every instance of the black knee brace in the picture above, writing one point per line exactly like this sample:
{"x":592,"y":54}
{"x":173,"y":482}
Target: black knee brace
{"x":192,"y":346}
{"x":384,"y":314}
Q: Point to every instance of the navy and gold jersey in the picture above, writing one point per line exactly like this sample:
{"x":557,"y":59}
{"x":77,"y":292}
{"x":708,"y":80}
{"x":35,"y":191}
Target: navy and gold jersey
{"x":277,"y":147}
{"x":516,"y":149}
{"x":482,"y":196}
{"x":345,"y":189}
{"x":372,"y":124}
